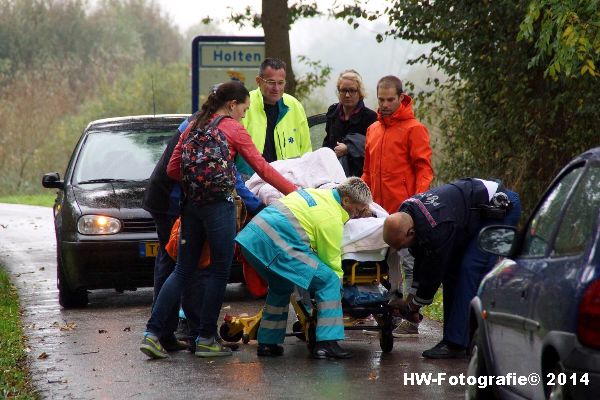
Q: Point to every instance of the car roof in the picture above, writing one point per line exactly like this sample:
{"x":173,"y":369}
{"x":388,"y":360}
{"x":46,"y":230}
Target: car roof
{"x":136,"y":120}
{"x":591,"y":154}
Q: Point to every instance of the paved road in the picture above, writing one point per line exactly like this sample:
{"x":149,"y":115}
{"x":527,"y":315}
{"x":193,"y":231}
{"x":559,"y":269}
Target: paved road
{"x":93,"y":353}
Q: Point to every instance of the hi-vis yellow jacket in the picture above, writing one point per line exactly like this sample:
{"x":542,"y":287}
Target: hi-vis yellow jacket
{"x":292,"y":136}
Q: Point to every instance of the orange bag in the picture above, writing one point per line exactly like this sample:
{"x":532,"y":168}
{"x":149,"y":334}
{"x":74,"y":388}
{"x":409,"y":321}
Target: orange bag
{"x":173,"y":244}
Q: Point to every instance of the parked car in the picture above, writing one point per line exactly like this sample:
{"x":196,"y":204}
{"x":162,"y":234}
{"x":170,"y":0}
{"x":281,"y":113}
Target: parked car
{"x":104,"y":238}
{"x":538,"y":311}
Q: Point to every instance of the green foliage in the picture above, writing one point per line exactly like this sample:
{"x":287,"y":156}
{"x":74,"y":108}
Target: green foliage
{"x":498,"y":115}
{"x":148,"y":89}
{"x":317,"y":76}
{"x":15,"y":378}
{"x":44,"y":200}
{"x":435,"y":310}
{"x":63,"y":64}
{"x":566,"y":35}
{"x":62,"y":34}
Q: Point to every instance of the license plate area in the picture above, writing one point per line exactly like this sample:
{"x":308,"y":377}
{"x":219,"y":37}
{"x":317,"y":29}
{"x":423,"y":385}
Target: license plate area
{"x":148,"y":249}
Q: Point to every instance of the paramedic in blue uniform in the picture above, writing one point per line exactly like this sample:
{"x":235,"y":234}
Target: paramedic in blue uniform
{"x":440,"y":227}
{"x":297,"y":241}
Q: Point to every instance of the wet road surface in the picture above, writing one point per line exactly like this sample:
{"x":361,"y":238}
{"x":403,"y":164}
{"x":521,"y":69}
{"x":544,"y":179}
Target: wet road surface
{"x":92,"y":353}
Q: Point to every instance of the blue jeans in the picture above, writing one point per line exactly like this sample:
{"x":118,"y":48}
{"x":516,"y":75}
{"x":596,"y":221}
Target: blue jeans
{"x":163,"y":267}
{"x":214,"y":222}
{"x":460,"y":284}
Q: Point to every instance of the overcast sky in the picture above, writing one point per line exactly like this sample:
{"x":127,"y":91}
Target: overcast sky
{"x":332,"y":42}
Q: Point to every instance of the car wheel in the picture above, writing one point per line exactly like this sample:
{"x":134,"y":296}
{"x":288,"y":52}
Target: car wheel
{"x":477,"y":368}
{"x":558,"y":391}
{"x":66,"y":297}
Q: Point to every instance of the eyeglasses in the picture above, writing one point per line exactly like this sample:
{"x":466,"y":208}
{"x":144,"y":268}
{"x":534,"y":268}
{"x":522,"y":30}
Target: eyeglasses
{"x":344,"y":92}
{"x":271,"y":82}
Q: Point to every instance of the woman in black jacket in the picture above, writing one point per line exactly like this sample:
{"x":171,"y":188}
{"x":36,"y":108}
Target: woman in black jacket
{"x":347,"y":123}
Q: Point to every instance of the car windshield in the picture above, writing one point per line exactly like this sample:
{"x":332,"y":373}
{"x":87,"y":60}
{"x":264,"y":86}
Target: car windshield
{"x":109,"y":156}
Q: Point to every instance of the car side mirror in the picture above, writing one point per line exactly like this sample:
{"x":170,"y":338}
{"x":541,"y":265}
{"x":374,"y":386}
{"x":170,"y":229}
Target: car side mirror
{"x":52,"y":181}
{"x":498,"y":240}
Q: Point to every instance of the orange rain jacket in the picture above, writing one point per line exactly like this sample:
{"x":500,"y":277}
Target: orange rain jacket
{"x":397,"y":157}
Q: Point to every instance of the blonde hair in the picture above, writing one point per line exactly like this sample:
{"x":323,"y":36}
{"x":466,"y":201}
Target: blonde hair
{"x":353,"y":76}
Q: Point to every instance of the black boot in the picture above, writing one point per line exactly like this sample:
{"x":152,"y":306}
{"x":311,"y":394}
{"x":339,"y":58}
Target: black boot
{"x":330,"y":349}
{"x":269,"y":350}
{"x":445,"y":350}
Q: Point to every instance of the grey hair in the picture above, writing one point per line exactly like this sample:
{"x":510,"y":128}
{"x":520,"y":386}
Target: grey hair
{"x":274,"y":63}
{"x":356,"y":189}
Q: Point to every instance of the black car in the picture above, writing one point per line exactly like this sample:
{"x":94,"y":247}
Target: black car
{"x":536,"y":316}
{"x":104,"y":238}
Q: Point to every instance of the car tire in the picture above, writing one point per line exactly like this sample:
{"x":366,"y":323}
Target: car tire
{"x":557,"y":391}
{"x":478,"y":368}
{"x":66,"y":297}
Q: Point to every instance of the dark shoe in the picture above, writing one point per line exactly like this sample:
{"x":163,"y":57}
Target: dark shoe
{"x":445,"y":350}
{"x":269,"y":350}
{"x":173,"y":344}
{"x":330,"y":349}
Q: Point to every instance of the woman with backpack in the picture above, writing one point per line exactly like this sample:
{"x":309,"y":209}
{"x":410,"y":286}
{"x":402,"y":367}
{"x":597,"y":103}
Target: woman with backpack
{"x":203,"y":161}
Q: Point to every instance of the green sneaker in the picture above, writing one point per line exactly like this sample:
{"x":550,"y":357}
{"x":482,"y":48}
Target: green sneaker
{"x":151,"y":346}
{"x":211,"y":349}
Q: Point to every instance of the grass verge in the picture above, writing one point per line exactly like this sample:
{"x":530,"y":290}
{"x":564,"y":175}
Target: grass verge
{"x":45,"y":200}
{"x":15,"y":381}
{"x":435,"y":310}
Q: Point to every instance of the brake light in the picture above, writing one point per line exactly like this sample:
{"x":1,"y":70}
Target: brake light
{"x":588,"y":323}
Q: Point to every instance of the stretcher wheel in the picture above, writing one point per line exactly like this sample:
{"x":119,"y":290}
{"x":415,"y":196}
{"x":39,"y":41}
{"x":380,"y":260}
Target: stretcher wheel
{"x":386,"y":340}
{"x":224,"y":332}
{"x":298,"y":330}
{"x":245,"y":338}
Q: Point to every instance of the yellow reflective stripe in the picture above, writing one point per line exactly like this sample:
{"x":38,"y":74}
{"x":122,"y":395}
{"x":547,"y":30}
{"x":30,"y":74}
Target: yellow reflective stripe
{"x":266,"y":324}
{"x":328,"y":305}
{"x":331,"y":321}
{"x":275,"y":310}
{"x":282,"y":208}
{"x":290,"y":251}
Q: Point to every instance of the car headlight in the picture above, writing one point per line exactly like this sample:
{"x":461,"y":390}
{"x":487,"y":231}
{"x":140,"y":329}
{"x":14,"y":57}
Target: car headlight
{"x":98,"y":225}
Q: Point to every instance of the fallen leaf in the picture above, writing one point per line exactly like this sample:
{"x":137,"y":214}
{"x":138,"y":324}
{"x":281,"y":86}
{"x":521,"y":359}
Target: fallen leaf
{"x":43,"y":356}
{"x":373,"y":376}
{"x":69,"y":326}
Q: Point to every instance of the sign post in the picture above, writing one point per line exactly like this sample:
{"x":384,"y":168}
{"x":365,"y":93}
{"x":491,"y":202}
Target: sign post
{"x":217,"y":59}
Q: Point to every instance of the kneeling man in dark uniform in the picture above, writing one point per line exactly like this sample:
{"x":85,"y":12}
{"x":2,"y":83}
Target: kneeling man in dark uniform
{"x":440,"y":229}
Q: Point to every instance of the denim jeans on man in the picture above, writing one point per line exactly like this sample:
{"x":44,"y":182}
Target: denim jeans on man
{"x":215,"y":222}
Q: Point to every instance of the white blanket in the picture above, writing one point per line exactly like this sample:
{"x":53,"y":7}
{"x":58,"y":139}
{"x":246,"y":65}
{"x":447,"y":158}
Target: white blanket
{"x":317,"y":169}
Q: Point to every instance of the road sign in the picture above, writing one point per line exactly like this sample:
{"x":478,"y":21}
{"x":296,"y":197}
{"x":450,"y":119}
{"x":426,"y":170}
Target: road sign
{"x":217,"y":59}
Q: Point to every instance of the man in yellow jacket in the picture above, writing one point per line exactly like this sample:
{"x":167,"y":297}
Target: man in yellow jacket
{"x":297,"y":241}
{"x":275,"y":120}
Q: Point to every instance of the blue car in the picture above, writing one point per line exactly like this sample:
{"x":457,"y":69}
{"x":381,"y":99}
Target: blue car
{"x":535,"y":321}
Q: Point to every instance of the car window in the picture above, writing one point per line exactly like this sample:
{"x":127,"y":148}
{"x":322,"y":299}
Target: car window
{"x":577,"y":225}
{"x":539,"y":232}
{"x":127,"y":155}
{"x":316,"y":125}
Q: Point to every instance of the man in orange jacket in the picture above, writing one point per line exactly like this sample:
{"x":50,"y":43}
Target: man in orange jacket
{"x":397,"y":151}
{"x":397,"y":164}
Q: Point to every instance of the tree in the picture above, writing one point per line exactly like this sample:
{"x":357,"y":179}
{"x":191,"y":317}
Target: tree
{"x":276,"y":18}
{"x":566,"y":35}
{"x":499,"y":115}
